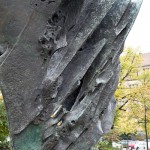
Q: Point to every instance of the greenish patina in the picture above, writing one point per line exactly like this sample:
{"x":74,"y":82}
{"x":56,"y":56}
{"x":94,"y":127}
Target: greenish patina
{"x":29,"y":139}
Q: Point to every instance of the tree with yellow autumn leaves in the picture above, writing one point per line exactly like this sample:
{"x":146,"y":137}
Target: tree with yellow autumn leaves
{"x":133,"y":95}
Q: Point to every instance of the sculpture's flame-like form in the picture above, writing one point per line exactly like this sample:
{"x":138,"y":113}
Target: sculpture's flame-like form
{"x":59,"y":69}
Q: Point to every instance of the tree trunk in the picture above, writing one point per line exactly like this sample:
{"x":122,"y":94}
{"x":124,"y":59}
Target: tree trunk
{"x":59,"y":69}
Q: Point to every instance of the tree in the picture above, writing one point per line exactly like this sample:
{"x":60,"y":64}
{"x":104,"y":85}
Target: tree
{"x":133,"y":94}
{"x":59,"y":69}
{"x":4,"y":132}
{"x":130,"y":65}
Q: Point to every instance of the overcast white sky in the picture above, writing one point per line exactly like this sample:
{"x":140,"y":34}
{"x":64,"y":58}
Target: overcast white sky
{"x":140,"y":33}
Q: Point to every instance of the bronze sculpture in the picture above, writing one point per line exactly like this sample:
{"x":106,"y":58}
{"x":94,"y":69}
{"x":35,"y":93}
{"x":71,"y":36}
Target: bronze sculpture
{"x":59,"y":69}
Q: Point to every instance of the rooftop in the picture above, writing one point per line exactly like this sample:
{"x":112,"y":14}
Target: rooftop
{"x":146,"y":59}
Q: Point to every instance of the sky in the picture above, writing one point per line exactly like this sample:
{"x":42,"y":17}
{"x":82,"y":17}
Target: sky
{"x":139,"y":36}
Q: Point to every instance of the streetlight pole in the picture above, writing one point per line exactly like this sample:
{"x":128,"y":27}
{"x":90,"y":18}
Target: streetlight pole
{"x":145,"y":125}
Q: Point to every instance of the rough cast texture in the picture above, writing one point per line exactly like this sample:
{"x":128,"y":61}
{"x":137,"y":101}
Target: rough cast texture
{"x":59,"y":69}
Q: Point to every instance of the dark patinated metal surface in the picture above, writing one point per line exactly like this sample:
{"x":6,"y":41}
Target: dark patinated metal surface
{"x":59,"y":68}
